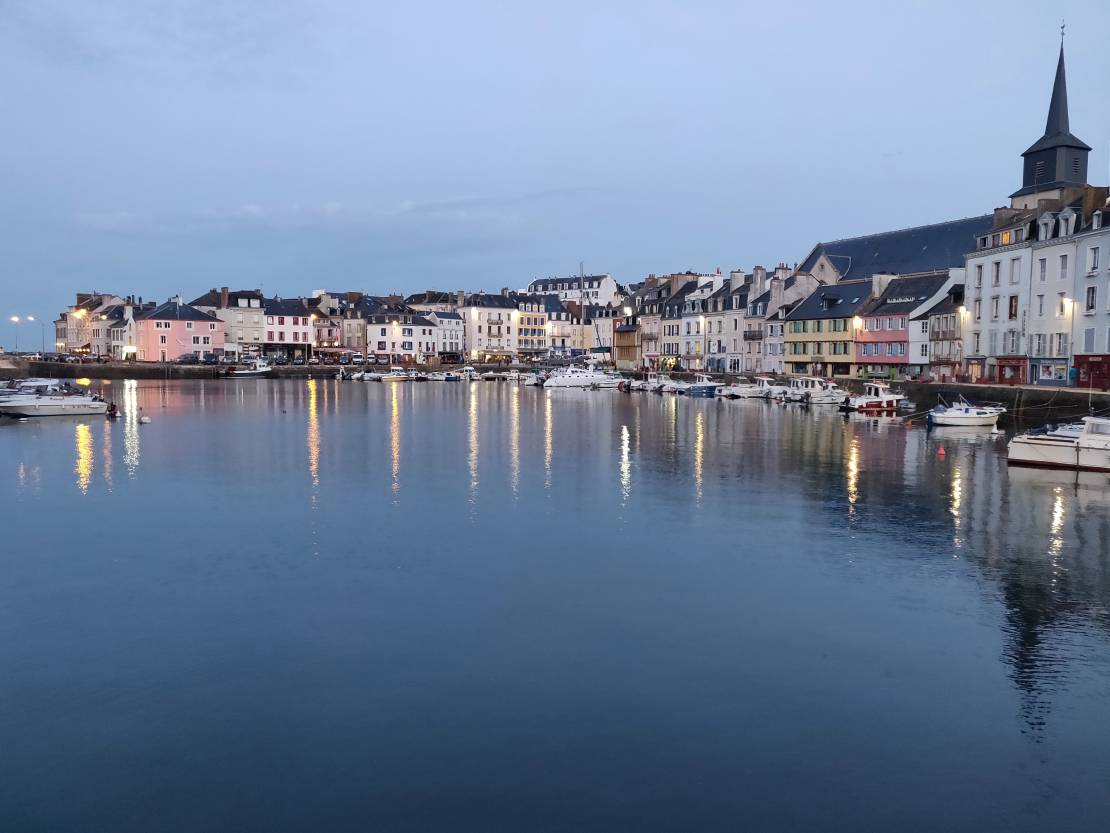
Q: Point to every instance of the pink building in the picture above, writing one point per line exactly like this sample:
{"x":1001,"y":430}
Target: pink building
{"x":289,"y":330}
{"x":883,"y":337}
{"x":173,"y":329}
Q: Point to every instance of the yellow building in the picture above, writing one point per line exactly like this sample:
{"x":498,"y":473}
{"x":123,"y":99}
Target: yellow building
{"x":820,"y":332}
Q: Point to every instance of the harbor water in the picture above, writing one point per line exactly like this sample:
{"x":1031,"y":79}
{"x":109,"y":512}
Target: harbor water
{"x":288,"y":605}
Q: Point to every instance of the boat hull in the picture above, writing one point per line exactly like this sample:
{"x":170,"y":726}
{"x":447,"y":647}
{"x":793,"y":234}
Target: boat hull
{"x":963,"y":420}
{"x":1058,"y":453}
{"x":45,"y":409}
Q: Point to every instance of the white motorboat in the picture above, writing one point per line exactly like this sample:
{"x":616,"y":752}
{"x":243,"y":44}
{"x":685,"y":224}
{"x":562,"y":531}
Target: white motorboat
{"x":673,"y":385}
{"x":963,"y":413}
{"x":876,"y":398}
{"x":645,"y":384}
{"x":610,"y":380}
{"x":396,"y":374}
{"x":813,"y":390}
{"x":31,"y":387}
{"x":535,"y":380}
{"x":702,"y":386}
{"x":742,"y":388}
{"x":417,"y":376}
{"x":768,"y":388}
{"x":252,"y":368}
{"x":514,"y":376}
{"x":40,"y":405}
{"x":1087,"y":450}
{"x":575,"y":377}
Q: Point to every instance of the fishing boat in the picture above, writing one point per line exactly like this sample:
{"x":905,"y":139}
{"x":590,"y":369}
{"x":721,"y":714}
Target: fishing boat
{"x":57,"y":404}
{"x":575,"y":377}
{"x":877,"y":397}
{"x":702,"y":386}
{"x":813,"y":390}
{"x":963,"y":413}
{"x":1084,"y":450}
{"x":768,"y":388}
{"x":252,"y":368}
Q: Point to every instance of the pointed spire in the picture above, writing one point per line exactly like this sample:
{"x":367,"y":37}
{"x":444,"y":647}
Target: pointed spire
{"x":1058,"y":108}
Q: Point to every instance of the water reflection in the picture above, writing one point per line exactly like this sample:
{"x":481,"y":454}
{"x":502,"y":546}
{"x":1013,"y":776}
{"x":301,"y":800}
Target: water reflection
{"x":84,"y":463}
{"x":395,"y":438}
{"x":548,"y":439}
{"x":472,"y":443}
{"x":957,"y":494}
{"x":699,"y":451}
{"x":514,"y":438}
{"x":313,"y":439}
{"x":106,"y":453}
{"x":626,"y":465}
{"x":853,"y":476}
{"x":131,"y":426}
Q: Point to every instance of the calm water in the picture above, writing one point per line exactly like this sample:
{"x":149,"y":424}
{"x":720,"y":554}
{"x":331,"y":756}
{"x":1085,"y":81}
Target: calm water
{"x":322,"y":606}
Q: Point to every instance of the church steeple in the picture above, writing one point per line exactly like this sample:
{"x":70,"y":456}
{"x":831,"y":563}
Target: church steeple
{"x":1057,"y":159}
{"x":1058,"y":107}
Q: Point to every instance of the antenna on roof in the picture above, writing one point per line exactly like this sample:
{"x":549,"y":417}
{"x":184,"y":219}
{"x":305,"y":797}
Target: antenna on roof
{"x":1063,"y":24}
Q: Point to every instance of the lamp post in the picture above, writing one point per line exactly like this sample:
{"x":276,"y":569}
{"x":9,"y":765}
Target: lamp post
{"x":15,"y":320}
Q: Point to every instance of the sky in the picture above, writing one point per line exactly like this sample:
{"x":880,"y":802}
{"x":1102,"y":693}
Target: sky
{"x":290,"y":145}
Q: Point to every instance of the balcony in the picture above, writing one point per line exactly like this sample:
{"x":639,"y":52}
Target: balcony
{"x":753,"y":335}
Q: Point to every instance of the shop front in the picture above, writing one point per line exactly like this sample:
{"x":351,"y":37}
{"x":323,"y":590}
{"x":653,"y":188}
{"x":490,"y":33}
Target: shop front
{"x":1093,"y":372}
{"x":1011,"y":370}
{"x":1049,"y":371}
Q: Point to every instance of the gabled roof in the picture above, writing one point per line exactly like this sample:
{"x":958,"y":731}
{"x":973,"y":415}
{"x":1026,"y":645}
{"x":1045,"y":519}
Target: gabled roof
{"x":838,"y":300}
{"x":903,"y":252}
{"x":903,"y":295}
{"x":174,"y":311}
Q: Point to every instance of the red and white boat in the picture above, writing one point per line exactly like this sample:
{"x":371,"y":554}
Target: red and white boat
{"x":877,"y":397}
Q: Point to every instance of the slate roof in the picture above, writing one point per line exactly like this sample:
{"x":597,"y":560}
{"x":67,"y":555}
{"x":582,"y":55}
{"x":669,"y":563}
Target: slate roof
{"x":482,"y":299}
{"x":838,"y":300}
{"x":173,"y":311}
{"x":904,"y":252}
{"x":284,"y":306}
{"x":431,"y":297}
{"x":211,"y":298}
{"x":573,"y":281}
{"x":762,"y":299}
{"x":949,"y":303}
{"x":446,"y":316}
{"x":904,"y":295}
{"x":408,"y":320}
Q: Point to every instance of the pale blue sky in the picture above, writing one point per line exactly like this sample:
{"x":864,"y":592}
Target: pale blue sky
{"x":291,"y":144}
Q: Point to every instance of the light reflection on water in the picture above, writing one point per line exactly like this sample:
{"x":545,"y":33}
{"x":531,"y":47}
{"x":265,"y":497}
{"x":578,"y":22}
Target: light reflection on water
{"x":729,"y":603}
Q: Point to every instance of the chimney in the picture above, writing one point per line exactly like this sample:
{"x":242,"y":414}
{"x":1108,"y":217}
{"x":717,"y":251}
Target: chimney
{"x":223,"y":297}
{"x":504,"y":292}
{"x":880,"y":281}
{"x":460,"y":298}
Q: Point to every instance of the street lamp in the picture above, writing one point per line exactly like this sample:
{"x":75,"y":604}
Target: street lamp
{"x":15,"y":320}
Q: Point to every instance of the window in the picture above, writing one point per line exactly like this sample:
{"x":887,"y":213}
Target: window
{"x":269,"y":335}
{"x":381,"y":346}
{"x":1061,"y":305}
{"x":1061,"y":344}
{"x":188,"y":325}
{"x":924,"y":351}
{"x":211,"y":326}
{"x":196,"y":339}
{"x":979,"y":274}
{"x":1012,"y":312}
{"x":1063,"y":267}
{"x":978,"y":310}
{"x":975,"y":343}
{"x":1092,"y":299}
{"x":1092,"y":259}
{"x":1014,"y":264}
{"x":161,"y":339}
{"x":281,"y":320}
{"x":1043,"y":266}
{"x":1040,"y":306}
{"x":269,"y":320}
{"x":994,"y":308}
{"x":996,"y":271}
{"x":281,"y":336}
{"x":925,"y":326}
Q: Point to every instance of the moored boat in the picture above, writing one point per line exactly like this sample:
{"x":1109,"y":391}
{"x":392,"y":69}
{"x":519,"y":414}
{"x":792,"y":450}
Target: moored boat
{"x":575,"y":377}
{"x":963,"y":413}
{"x":768,"y":388}
{"x":42,"y":405}
{"x":813,"y":390}
{"x":1085,"y":450}
{"x":742,"y":388}
{"x":252,"y":368}
{"x":877,"y":397}
{"x":702,"y":386}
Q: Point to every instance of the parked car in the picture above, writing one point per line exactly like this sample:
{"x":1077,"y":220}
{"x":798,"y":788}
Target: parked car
{"x":382,"y":359}
{"x":211,"y":359}
{"x":314,"y":360}
{"x":356,"y":358}
{"x":345,"y":359}
{"x":188,"y":358}
{"x":281,"y":360}
{"x":298,"y":361}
